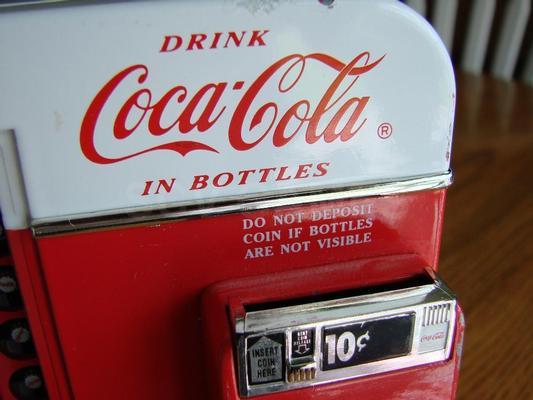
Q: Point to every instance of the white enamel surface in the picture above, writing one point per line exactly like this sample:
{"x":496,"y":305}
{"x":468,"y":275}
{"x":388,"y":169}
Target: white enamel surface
{"x":54,"y":62}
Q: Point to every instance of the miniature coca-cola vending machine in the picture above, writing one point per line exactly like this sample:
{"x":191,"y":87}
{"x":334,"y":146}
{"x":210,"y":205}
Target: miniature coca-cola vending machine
{"x":224,"y":200}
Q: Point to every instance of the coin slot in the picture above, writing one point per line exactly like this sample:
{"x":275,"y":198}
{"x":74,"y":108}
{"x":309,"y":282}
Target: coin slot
{"x":266,"y":358}
{"x":418,"y":280}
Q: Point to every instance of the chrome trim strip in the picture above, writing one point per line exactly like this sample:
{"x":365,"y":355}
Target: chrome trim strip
{"x":30,"y":3}
{"x":178,"y":211}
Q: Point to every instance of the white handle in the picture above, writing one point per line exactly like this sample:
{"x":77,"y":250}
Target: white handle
{"x":12,"y":194}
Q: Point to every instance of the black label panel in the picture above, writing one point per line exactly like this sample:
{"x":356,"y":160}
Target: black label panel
{"x":303,"y":343}
{"x":364,"y":342}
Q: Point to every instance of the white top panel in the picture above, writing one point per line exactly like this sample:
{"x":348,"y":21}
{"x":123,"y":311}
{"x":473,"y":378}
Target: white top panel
{"x":136,"y":104}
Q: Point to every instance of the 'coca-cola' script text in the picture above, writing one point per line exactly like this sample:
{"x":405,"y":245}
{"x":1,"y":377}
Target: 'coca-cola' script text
{"x":251,"y":123}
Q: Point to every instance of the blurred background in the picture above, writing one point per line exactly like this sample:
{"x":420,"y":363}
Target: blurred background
{"x":484,"y":36}
{"x":487,"y":248}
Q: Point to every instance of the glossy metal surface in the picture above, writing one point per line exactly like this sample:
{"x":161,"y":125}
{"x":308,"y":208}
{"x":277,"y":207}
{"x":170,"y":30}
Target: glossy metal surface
{"x":132,"y":309}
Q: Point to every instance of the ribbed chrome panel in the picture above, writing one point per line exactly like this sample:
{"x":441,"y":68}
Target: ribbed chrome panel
{"x":436,"y":314}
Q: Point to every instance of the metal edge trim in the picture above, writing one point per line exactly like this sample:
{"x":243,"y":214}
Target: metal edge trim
{"x":179,"y":211}
{"x":34,"y":3}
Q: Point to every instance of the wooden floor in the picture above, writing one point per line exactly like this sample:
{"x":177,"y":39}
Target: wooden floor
{"x":487,"y":249}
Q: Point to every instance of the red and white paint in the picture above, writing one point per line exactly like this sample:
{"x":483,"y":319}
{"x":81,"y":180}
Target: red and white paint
{"x":201,"y":107}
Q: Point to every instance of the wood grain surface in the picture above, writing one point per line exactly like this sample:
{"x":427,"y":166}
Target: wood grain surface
{"x":487,"y":248}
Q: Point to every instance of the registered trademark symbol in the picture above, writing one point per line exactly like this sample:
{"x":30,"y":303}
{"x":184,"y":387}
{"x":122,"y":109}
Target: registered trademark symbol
{"x":385,"y":130}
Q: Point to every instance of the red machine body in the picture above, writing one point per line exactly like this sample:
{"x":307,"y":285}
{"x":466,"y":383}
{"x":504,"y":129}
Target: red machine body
{"x":128,"y":319}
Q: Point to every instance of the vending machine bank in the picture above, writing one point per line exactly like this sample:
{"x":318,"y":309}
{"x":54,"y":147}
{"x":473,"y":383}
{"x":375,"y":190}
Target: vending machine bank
{"x":226,"y":200}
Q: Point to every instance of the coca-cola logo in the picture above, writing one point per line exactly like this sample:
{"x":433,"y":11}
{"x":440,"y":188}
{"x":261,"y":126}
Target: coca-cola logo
{"x":436,"y":336}
{"x":339,"y":116}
